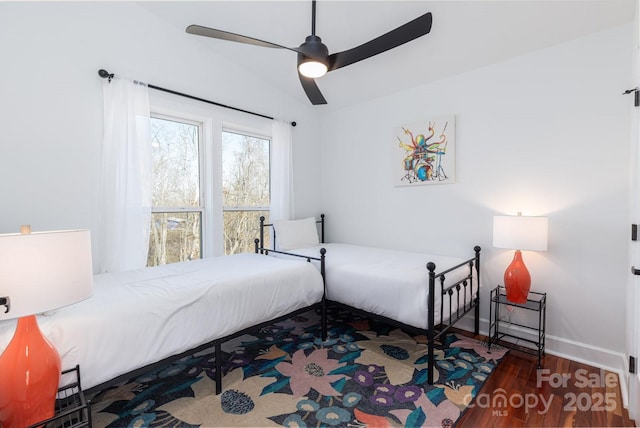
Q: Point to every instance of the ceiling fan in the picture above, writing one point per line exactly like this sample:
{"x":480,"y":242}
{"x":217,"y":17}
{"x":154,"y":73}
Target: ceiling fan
{"x":313,"y":55}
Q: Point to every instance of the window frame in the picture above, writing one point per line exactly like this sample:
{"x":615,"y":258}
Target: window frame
{"x":248,"y":208}
{"x":201,"y":165}
{"x":214,"y":120}
{"x":201,"y":197}
{"x":269,"y":138}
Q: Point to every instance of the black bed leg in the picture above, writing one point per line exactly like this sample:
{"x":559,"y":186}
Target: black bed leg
{"x":323,"y":253}
{"x":432,"y":362}
{"x":477,"y":318}
{"x":323,"y":320}
{"x":218,"y":357}
{"x":477,"y":250}
{"x":431,"y":304}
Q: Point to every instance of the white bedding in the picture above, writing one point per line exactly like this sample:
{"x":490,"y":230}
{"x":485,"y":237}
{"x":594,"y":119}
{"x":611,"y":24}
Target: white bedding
{"x":386,"y":282}
{"x":139,"y":317}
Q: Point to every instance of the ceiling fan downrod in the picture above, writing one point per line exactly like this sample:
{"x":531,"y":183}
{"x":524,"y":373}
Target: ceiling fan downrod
{"x":313,"y":18}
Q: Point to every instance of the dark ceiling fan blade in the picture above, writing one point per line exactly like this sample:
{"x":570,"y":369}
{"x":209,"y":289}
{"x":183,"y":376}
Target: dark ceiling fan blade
{"x":233,"y":37}
{"x":394,"y":38}
{"x":311,"y":89}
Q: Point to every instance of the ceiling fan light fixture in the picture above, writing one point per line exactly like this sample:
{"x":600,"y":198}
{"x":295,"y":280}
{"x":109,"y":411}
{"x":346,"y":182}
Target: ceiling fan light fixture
{"x":312,"y":68}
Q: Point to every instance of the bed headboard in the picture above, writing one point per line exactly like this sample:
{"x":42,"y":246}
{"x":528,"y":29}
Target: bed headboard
{"x":260,"y":242}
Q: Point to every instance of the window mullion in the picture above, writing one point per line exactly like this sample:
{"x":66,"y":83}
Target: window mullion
{"x":176,"y":209}
{"x":244,"y":208}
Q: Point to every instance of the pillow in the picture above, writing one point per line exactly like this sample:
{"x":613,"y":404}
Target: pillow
{"x":292,"y":234}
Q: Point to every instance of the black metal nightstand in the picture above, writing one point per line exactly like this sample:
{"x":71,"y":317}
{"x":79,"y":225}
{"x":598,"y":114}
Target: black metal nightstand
{"x":72,"y":410}
{"x":536,"y":302}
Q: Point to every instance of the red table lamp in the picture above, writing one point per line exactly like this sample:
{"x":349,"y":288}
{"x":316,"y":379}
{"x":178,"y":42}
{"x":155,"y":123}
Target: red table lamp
{"x":519,"y":233}
{"x":39,"y":272}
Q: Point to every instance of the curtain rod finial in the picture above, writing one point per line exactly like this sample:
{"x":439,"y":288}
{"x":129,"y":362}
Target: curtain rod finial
{"x":105,"y":74}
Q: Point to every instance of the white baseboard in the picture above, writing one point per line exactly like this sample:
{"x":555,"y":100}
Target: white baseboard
{"x":595,"y":356}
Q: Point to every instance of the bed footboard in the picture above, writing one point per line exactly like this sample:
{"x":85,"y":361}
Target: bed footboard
{"x":321,"y":259}
{"x":463,"y":292}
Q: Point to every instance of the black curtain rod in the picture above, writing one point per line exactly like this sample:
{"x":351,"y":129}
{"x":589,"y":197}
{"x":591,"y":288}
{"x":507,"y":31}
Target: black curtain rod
{"x":636,"y":96}
{"x":106,"y":75}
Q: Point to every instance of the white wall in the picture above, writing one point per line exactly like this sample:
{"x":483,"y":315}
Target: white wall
{"x":51,"y":102}
{"x":546,"y":133}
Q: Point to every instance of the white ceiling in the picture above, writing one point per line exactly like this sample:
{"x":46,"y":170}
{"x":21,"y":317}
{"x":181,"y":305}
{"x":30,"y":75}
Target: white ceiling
{"x":465,"y":35}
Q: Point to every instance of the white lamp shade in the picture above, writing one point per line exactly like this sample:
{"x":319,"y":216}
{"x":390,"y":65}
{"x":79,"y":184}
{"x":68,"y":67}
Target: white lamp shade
{"x":520,"y":232}
{"x":42,"y":271}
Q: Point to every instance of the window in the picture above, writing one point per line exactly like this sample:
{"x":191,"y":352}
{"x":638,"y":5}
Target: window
{"x":176,"y":219}
{"x":245,"y":189}
{"x":210,"y":179}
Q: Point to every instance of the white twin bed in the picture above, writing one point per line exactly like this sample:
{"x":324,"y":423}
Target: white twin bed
{"x":389,"y":283}
{"x":141,"y":317}
{"x":400,"y":287}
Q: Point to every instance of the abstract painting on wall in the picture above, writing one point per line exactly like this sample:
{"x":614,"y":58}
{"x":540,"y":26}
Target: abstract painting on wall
{"x":424,"y":152}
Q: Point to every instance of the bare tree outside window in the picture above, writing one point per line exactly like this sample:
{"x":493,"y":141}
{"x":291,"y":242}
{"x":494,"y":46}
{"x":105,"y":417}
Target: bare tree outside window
{"x":245,"y":183}
{"x":176,"y":206}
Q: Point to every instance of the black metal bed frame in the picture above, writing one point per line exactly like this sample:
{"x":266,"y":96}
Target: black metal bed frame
{"x":217,"y":343}
{"x":434,"y":331}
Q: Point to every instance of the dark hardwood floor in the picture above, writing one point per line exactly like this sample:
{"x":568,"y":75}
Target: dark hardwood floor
{"x":561,"y":394}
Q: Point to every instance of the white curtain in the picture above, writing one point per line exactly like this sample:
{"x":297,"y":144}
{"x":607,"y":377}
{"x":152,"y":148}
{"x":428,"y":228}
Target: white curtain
{"x":281,"y":171}
{"x":125,"y":180}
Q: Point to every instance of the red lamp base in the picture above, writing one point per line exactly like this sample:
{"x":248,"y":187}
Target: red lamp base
{"x":517,"y":280}
{"x":30,"y":368}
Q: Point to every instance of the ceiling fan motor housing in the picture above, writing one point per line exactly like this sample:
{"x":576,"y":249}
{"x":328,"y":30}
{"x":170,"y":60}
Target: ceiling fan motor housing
{"x":314,"y":48}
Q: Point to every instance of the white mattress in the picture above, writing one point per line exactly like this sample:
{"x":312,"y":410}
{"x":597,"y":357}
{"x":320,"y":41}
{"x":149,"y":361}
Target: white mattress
{"x":387,"y":282}
{"x":139,"y":317}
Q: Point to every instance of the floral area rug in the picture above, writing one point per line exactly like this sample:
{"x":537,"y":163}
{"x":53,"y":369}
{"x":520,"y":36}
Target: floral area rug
{"x":365,"y":374}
